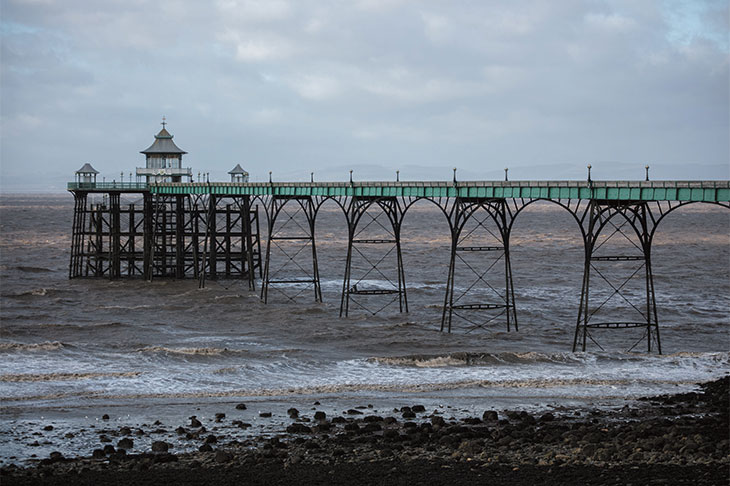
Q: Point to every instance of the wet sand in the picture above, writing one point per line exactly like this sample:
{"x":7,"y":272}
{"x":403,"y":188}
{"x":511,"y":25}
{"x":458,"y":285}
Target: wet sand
{"x":669,"y":439}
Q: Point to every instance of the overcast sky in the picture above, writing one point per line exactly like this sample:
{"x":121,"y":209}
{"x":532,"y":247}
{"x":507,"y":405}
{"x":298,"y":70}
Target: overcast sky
{"x":541,"y":87}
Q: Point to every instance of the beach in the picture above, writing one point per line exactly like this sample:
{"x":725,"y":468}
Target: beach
{"x":669,"y":439}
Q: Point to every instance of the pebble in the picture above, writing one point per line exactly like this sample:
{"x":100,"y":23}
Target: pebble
{"x":48,"y":427}
{"x":490,"y":415}
{"x":265,"y":414}
{"x":297,"y":428}
{"x":293,"y":413}
{"x":241,"y":406}
{"x":194,"y":422}
{"x":125,"y":443}
{"x":320,"y":415}
{"x":211,"y":439}
{"x":105,"y":417}
{"x":219,"y":416}
{"x":160,"y":446}
{"x":223,"y":456}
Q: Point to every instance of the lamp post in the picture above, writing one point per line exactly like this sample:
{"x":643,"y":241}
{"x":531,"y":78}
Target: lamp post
{"x":647,"y":173}
{"x":397,"y":176}
{"x":589,"y":172}
{"x":505,"y":174}
{"x":454,"y":175}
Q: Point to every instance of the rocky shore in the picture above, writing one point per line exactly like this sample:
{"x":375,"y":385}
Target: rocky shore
{"x":671,"y":439}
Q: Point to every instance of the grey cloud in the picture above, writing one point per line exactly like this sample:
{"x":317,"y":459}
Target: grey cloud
{"x":305,"y":86}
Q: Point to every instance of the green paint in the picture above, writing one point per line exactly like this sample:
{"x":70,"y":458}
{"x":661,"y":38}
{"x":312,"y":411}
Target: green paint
{"x":718,"y":191}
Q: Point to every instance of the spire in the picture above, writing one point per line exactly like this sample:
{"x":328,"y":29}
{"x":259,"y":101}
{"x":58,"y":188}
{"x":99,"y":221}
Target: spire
{"x":163,"y":142}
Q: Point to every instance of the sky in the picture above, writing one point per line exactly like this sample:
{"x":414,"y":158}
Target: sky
{"x":293,"y":87}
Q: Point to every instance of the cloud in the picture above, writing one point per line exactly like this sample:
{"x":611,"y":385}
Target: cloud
{"x":254,"y":11}
{"x":254,"y":47}
{"x":610,"y":22}
{"x":316,"y":87}
{"x":317,"y":83}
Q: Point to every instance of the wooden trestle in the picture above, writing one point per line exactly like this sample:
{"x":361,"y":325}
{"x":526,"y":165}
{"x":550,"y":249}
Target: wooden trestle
{"x":139,"y":234}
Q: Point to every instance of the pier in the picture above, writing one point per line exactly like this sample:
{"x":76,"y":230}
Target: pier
{"x":211,"y":230}
{"x":159,"y":226}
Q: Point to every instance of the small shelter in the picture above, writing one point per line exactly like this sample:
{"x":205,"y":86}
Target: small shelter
{"x":238,"y":174}
{"x":86,"y":174}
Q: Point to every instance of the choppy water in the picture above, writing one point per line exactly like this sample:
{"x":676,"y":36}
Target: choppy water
{"x":72,"y":344}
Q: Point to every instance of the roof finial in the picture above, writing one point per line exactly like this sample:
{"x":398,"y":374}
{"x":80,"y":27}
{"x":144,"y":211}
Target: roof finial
{"x":163,"y":121}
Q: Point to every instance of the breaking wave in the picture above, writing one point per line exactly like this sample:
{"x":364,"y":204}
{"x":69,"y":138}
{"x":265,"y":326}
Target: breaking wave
{"x":192,"y":351}
{"x":476,"y":359}
{"x":46,"y":346}
{"x":32,"y":377}
{"x":342,"y":389}
{"x":27,"y":269}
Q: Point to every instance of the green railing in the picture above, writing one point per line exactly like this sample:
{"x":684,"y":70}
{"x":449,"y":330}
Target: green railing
{"x":105,"y":186}
{"x":706,"y":191}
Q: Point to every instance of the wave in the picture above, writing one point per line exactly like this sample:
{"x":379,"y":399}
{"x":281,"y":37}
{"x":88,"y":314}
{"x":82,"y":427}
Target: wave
{"x":45,"y":346}
{"x":340,"y":389}
{"x":192,"y":351}
{"x":125,"y":307}
{"x":476,"y":359}
{"x":39,"y":292}
{"x":28,"y":269}
{"x":33,"y":377}
{"x":90,"y":325}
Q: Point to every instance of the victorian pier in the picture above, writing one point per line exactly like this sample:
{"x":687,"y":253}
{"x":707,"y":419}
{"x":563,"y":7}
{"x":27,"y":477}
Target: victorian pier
{"x":160,"y":226}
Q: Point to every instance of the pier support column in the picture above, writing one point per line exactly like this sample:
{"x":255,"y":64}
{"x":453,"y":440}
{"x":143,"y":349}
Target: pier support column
{"x":148,"y":235}
{"x":180,"y":213}
{"x":618,"y":237}
{"x":250,"y":241}
{"x":374,"y":229}
{"x":480,"y":230}
{"x":290,"y":233}
{"x":78,"y":235}
{"x":114,"y":236}
{"x":230,"y":237}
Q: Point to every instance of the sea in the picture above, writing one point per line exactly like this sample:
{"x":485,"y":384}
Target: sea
{"x":159,"y":352}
